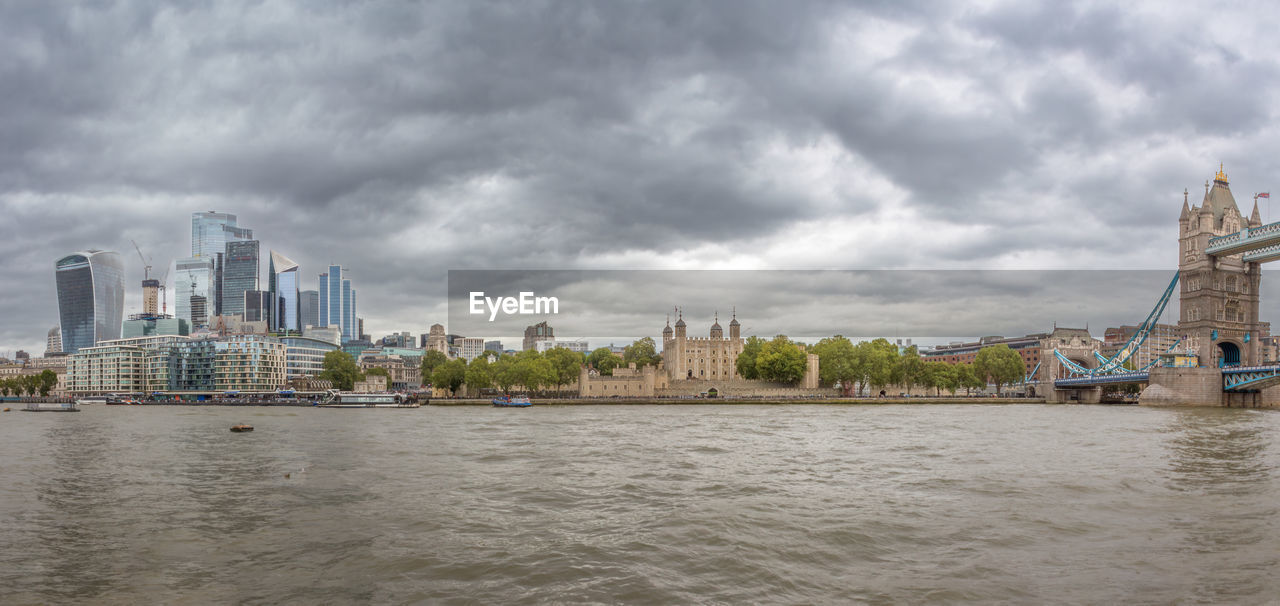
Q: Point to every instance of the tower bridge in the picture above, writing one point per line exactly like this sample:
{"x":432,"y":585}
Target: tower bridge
{"x":1217,"y":358}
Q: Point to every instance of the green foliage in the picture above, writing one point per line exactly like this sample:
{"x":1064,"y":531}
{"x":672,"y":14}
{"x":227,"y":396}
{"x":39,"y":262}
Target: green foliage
{"x":450,"y":375}
{"x":877,"y":362}
{"x":999,"y":364}
{"x":603,"y":360}
{"x":533,"y":371}
{"x":381,"y":372}
{"x":837,"y":361}
{"x":909,"y":369}
{"x":431,"y":360}
{"x":5,"y":386}
{"x":503,"y":372}
{"x":644,"y":352}
{"x":480,"y":373}
{"x":746,"y":362}
{"x":47,"y":380}
{"x":565,"y":365}
{"x":341,"y":369}
{"x":781,"y":361}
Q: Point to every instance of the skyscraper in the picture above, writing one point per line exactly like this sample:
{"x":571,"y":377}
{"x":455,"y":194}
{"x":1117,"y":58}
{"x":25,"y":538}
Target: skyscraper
{"x":282,"y":278}
{"x":239,"y":274}
{"x":90,"y":288}
{"x":193,"y":277}
{"x":308,"y":308}
{"x":210,"y":233}
{"x":338,"y":303}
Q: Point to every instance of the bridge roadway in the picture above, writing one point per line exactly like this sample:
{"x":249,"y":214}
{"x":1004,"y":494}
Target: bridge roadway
{"x":1259,"y":244}
{"x":1234,"y":378}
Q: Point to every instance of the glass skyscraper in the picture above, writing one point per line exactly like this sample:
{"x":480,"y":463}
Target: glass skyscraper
{"x":239,"y":274}
{"x":210,"y":232}
{"x":282,"y":273}
{"x":338,"y":303}
{"x":90,"y":298}
{"x":308,"y":308}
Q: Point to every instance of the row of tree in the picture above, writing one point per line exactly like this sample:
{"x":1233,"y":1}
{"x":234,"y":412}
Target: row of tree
{"x":869,"y":366}
{"x":534,"y":371}
{"x":30,"y":384}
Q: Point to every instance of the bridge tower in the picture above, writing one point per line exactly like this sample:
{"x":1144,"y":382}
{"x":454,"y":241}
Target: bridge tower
{"x":1219,"y":294}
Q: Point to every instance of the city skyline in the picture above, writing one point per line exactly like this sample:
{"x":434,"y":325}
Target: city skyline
{"x":743,"y":136}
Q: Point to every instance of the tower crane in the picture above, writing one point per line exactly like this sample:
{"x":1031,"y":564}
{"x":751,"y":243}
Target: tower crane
{"x":146,"y":264}
{"x":164,"y":301}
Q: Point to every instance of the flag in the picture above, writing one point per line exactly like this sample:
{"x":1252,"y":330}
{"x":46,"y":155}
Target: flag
{"x":1265,"y":194}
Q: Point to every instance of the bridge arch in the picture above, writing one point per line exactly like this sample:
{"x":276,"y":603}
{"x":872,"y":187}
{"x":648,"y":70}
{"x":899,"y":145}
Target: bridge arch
{"x":1228,"y":353}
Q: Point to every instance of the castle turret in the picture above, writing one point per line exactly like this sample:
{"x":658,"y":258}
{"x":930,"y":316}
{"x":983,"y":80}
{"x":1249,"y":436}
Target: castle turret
{"x":680,"y":326}
{"x":735,"y":329}
{"x":716,"y":331}
{"x":666,"y":331}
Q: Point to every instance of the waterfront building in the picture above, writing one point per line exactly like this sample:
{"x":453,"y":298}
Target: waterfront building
{"x":469,"y":348}
{"x":304,"y":356}
{"x":282,"y":277}
{"x":258,"y":305}
{"x":249,"y":363}
{"x":706,"y":358}
{"x":538,"y":332}
{"x":1029,"y":347}
{"x":54,"y":342}
{"x":404,"y":373}
{"x":142,"y":325}
{"x":193,"y":277}
{"x":114,"y":366}
{"x":90,"y":287}
{"x":308,"y":308}
{"x":239,"y":275}
{"x":578,"y":346}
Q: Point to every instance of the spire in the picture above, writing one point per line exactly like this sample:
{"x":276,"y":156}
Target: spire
{"x":1255,"y":219}
{"x":734,"y":321}
{"x":1186,"y":208}
{"x":1221,"y":177}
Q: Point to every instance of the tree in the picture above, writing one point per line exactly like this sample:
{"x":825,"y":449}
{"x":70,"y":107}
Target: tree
{"x":479,"y":373}
{"x":532,"y":370}
{"x":431,"y":360}
{"x":381,"y":372}
{"x":999,"y":364}
{"x":47,"y":380}
{"x":876,"y":362}
{"x":781,"y":361}
{"x":939,"y":376}
{"x":908,"y":368}
{"x":565,"y":365}
{"x":503,"y":372}
{"x":603,"y":360}
{"x":5,"y":386}
{"x":28,"y":384}
{"x":837,"y":360}
{"x":746,"y":362}
{"x":341,"y":369}
{"x":644,"y":352}
{"x":450,"y":375}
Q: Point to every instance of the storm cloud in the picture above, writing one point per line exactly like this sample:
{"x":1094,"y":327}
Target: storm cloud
{"x":403,"y":140}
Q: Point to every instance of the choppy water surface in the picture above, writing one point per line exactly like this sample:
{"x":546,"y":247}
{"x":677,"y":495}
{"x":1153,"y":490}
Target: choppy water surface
{"x":641,"y":504}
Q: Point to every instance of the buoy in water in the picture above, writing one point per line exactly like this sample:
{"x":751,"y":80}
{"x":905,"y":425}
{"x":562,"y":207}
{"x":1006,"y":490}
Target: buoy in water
{"x":6,"y":410}
{"x":241,"y":427}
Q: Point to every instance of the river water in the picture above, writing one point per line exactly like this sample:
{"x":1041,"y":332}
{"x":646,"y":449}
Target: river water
{"x":641,"y":504}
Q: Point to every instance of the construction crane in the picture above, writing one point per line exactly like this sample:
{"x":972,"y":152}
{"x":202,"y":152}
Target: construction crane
{"x":146,"y":263}
{"x":164,"y":301}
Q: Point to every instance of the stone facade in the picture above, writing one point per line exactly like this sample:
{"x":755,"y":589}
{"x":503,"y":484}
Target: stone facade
{"x":1219,"y":295}
{"x":712,"y":358}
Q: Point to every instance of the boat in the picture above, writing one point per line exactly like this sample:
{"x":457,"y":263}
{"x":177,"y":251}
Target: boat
{"x":51,"y":407}
{"x":337,"y":399}
{"x":510,"y":402}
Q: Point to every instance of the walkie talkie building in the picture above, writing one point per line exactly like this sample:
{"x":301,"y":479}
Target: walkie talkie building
{"x":90,"y":298}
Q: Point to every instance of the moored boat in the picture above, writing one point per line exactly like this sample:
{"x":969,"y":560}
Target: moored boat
{"x":337,"y":399}
{"x":51,"y":407}
{"x":510,"y":402}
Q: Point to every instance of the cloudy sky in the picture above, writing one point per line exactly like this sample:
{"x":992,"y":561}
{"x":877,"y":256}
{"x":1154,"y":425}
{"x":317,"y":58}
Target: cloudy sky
{"x":404,"y":139}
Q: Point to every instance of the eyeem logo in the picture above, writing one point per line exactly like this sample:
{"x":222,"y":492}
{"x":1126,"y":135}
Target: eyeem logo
{"x":525,"y":304}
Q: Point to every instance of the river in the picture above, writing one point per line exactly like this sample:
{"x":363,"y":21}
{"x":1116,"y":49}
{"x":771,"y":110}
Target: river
{"x":641,"y":504}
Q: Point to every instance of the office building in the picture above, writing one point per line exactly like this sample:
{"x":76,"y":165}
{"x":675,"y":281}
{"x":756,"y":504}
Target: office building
{"x":338,"y":303}
{"x":54,"y":343}
{"x":493,"y":346}
{"x":282,"y":282}
{"x":258,"y":305}
{"x":211,"y":231}
{"x":578,"y":346}
{"x":239,"y":275}
{"x":469,"y":348}
{"x":308,"y":308}
{"x":304,"y":356}
{"x":538,"y":332}
{"x":90,"y":287}
{"x":143,"y":325}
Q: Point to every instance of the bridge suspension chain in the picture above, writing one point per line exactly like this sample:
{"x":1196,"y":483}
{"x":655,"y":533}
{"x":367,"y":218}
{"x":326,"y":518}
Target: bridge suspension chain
{"x":1116,"y":363}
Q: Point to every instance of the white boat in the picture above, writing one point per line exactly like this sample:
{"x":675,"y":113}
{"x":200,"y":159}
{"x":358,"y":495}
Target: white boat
{"x":337,"y":399}
{"x":51,"y":407}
